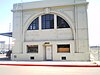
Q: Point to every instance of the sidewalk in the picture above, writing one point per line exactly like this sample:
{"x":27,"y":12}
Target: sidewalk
{"x":50,"y":63}
{"x":23,"y":68}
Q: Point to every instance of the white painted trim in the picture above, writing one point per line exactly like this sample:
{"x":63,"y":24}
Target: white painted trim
{"x":55,"y":21}
{"x":40,"y":23}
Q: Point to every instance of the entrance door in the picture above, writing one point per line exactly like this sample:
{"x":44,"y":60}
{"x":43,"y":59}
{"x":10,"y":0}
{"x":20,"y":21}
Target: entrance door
{"x":48,"y":52}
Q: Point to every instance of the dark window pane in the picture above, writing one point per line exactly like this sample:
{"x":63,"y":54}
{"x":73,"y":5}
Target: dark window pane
{"x":52,"y":24}
{"x":32,"y":48}
{"x":47,"y":24}
{"x":51,"y":17}
{"x":34,"y":25}
{"x":43,"y":22}
{"x":48,"y":21}
{"x":30,"y":27}
{"x":47,"y":17}
{"x":61,"y":23}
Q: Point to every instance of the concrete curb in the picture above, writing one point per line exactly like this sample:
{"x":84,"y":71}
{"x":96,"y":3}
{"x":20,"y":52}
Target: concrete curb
{"x":52,"y":65}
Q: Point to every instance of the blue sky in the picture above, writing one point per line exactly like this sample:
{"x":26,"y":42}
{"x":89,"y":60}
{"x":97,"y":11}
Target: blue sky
{"x":6,"y":17}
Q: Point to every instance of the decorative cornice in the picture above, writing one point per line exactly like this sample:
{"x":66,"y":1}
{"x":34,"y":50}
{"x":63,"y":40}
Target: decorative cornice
{"x":48,"y":7}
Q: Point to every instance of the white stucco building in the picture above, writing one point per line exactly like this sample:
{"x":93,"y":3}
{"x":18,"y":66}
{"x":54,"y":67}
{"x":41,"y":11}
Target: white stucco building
{"x":51,"y":30}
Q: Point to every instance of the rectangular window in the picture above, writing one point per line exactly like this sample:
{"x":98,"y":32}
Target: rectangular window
{"x":32,"y":48}
{"x":47,"y":21}
{"x":65,"y":48}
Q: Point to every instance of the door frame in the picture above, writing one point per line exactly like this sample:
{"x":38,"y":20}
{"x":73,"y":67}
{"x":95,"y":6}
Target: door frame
{"x":45,"y":53}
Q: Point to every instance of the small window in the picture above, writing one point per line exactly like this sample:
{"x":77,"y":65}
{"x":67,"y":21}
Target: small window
{"x":63,"y":48}
{"x":61,"y":23}
{"x":32,"y":48}
{"x":34,"y":25}
{"x":48,"y":21}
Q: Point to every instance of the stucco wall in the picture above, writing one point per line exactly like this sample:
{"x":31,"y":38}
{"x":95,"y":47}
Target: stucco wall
{"x":74,"y":12}
{"x":40,"y":56}
{"x":60,"y":34}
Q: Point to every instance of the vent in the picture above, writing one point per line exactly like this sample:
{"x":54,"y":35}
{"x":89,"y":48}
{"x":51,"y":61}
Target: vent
{"x":63,"y":58}
{"x":32,"y":58}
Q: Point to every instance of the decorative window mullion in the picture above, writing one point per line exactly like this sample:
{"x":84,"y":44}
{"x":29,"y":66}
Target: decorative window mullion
{"x":55,"y":21}
{"x":40,"y":23}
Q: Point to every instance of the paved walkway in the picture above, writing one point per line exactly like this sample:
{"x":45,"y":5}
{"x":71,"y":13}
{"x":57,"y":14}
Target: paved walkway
{"x":45,"y":70}
{"x":42,"y":68}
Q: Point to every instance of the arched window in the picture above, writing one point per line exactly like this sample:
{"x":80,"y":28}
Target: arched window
{"x":61,"y":23}
{"x":34,"y":25}
{"x":48,"y":21}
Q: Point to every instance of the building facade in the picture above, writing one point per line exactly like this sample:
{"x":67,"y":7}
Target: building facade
{"x":51,"y":30}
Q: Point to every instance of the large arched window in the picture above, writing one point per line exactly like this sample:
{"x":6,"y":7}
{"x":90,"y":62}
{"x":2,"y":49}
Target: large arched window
{"x":48,"y":21}
{"x":34,"y":25}
{"x":61,"y":23}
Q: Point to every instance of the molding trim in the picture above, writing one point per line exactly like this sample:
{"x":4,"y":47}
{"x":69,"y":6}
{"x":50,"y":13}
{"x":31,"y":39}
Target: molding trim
{"x":66,"y":4}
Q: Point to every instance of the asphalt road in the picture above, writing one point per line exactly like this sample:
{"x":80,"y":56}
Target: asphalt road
{"x":34,"y":70}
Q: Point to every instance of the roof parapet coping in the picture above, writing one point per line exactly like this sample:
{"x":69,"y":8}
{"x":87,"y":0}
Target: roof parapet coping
{"x":26,"y":6}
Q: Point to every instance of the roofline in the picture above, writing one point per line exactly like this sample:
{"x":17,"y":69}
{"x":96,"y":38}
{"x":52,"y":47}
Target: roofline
{"x":37,"y":7}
